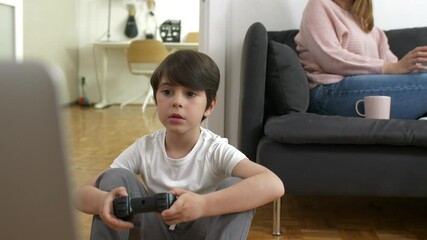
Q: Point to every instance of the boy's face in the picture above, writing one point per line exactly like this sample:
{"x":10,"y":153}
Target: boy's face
{"x":181,"y":109}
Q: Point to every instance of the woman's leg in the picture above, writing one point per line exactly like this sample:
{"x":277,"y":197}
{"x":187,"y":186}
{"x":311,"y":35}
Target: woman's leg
{"x":147,"y":225}
{"x":408,"y":94}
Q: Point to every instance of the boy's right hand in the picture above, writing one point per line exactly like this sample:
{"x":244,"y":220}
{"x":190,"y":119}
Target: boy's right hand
{"x":106,"y":209}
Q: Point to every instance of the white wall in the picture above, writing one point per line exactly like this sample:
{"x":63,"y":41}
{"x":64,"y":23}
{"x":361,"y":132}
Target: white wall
{"x":93,"y":18}
{"x":213,"y":22}
{"x":392,"y":14}
{"x":286,"y":14}
{"x":51,"y":36}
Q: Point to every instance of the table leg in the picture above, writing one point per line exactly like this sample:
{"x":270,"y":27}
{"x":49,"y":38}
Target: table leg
{"x":103,"y":78}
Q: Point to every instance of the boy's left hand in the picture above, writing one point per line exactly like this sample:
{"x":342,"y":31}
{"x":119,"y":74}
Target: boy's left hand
{"x":188,"y":206}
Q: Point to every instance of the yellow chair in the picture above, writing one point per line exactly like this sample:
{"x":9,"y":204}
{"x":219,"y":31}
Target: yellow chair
{"x":143,"y":57}
{"x":192,"y":37}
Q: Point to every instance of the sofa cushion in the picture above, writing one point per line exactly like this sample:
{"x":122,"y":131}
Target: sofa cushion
{"x":286,"y":37}
{"x":309,"y":128}
{"x":286,"y":81}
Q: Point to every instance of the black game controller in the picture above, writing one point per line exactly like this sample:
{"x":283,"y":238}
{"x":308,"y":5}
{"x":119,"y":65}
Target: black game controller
{"x":125,"y":207}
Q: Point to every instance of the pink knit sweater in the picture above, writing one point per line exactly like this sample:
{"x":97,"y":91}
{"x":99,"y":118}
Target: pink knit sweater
{"x":331,"y":45}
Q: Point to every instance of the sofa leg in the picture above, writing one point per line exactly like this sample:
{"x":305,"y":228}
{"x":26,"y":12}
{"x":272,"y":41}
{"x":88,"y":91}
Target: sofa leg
{"x":276,"y":217}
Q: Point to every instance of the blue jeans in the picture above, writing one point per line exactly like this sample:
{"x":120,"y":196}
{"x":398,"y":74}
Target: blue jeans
{"x":408,"y":94}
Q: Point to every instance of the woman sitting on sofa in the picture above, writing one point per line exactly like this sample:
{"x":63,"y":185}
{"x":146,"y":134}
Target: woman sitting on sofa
{"x":346,"y":58}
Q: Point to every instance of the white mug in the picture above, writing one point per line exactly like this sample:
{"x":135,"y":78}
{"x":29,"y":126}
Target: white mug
{"x":376,"y":107}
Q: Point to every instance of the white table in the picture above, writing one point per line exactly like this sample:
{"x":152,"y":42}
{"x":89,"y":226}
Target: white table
{"x":103,"y":48}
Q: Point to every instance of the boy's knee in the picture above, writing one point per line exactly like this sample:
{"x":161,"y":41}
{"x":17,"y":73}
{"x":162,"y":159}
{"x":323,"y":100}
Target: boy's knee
{"x":228,"y":182}
{"x":114,"y":177}
{"x":118,"y":172}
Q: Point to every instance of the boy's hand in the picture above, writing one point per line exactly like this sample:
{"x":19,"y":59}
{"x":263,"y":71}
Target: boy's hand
{"x":106,"y":210}
{"x":188,"y":206}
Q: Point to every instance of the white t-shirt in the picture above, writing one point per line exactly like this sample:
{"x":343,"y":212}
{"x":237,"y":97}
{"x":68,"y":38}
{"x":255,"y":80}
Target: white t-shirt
{"x":210,"y":161}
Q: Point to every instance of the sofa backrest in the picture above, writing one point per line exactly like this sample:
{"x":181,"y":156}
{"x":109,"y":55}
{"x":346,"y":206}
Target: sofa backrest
{"x":402,"y":41}
{"x":286,"y":37}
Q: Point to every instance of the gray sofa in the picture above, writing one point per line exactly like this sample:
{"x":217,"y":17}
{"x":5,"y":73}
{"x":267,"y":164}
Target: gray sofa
{"x":315,"y":154}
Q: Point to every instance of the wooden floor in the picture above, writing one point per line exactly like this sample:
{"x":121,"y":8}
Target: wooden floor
{"x":96,"y":137}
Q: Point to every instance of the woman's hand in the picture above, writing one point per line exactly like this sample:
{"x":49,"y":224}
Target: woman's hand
{"x":411,"y":62}
{"x":188,"y":206}
{"x":105,"y":210}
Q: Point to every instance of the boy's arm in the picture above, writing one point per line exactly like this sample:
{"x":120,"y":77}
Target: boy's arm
{"x":91,"y":200}
{"x":87,"y":198}
{"x":258,"y":187}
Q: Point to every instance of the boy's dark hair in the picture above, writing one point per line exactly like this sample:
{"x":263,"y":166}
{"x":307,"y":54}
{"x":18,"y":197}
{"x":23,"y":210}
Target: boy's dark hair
{"x":191,"y":69}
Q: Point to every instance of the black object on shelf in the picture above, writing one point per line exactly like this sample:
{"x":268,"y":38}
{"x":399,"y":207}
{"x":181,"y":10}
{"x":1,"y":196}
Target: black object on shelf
{"x":170,"y":31}
{"x":131,"y":29}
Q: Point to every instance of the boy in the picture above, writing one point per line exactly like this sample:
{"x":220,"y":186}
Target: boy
{"x":216,"y":186}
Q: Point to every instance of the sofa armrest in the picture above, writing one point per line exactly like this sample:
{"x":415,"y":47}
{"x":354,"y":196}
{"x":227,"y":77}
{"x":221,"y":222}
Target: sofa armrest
{"x":254,"y":64}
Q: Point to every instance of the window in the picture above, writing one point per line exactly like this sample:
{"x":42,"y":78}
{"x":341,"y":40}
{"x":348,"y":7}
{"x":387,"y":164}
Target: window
{"x":11,"y":36}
